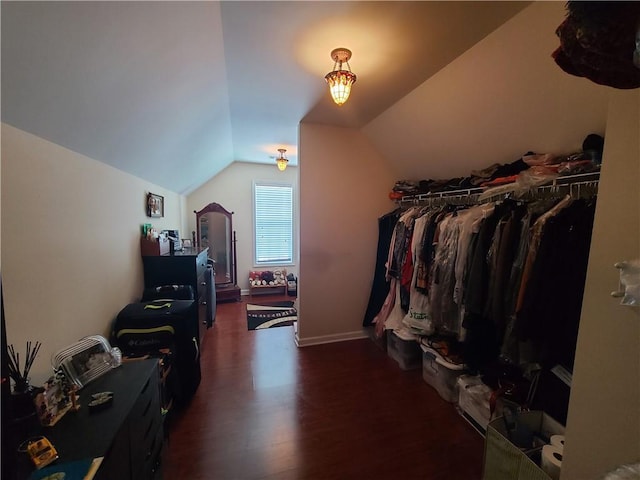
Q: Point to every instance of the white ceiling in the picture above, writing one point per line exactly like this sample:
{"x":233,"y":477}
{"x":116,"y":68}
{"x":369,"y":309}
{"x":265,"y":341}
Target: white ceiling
{"x":173,"y":92}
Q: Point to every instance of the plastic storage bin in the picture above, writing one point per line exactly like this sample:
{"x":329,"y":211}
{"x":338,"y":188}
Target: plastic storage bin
{"x":406,"y":352}
{"x":474,"y":401}
{"x":440,"y":374}
{"x":380,"y":342}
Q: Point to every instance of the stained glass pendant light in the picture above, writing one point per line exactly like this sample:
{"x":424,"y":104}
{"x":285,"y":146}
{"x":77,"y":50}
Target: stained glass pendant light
{"x":339,"y":80}
{"x":281,"y":161}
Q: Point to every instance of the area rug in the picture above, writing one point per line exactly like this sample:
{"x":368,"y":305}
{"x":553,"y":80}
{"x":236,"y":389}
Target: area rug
{"x":270,"y":315}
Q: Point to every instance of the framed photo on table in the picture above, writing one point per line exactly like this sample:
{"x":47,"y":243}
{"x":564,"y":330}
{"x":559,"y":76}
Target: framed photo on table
{"x":84,"y":360}
{"x":155,"y":205}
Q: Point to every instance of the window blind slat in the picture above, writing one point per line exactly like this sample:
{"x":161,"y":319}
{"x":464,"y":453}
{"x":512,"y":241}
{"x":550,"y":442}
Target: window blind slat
{"x":273,"y":223}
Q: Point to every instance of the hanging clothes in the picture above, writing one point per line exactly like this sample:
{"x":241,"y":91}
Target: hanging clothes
{"x":396,"y":313}
{"x":423,"y":255}
{"x":428,"y":250}
{"x":380,"y":285}
{"x":391,"y":313}
{"x":510,"y":348}
{"x":471,"y":219}
{"x":489,"y":280}
{"x":418,"y":317}
{"x":400,"y":240}
{"x":481,"y":342}
{"x":500,"y":258}
{"x":552,"y":301}
{"x":380,"y":319}
{"x":536,"y":235}
{"x":550,"y":312}
{"x":444,"y":309}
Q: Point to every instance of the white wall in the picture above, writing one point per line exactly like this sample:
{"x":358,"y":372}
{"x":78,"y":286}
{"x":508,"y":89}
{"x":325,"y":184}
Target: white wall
{"x":603,"y":427}
{"x":344,"y":187}
{"x":233,"y":189}
{"x":501,"y":98}
{"x":70,"y":237}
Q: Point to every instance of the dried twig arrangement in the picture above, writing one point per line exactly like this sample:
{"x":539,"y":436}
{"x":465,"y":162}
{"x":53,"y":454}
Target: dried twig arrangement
{"x":21,"y":377}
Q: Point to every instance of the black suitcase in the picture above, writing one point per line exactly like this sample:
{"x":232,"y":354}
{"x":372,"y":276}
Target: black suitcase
{"x":176,"y":292}
{"x":146,"y":328}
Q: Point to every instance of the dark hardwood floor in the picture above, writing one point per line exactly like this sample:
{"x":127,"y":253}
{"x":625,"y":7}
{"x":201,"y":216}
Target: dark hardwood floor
{"x":268,"y":410}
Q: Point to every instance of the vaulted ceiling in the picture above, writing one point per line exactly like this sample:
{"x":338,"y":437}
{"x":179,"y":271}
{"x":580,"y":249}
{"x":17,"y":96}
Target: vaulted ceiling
{"x":173,"y":92}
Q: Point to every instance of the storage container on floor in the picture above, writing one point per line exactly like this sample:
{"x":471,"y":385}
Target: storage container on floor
{"x":404,"y":351}
{"x":474,"y":401}
{"x":505,"y":460}
{"x":440,"y":374}
{"x":381,"y":341}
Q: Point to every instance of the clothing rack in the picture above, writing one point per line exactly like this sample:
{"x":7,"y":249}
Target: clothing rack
{"x":575,"y":185}
{"x":469,"y":194}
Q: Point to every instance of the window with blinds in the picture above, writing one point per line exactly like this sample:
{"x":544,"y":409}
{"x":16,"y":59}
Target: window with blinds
{"x":273,"y":223}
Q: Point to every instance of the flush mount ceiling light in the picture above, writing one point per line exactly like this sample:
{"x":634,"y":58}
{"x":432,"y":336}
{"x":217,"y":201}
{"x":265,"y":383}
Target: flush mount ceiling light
{"x":340,"y":80}
{"x":281,"y":160}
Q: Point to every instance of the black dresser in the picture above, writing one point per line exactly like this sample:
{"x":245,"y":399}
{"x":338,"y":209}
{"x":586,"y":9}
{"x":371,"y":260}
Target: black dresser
{"x":128,"y":434}
{"x":186,"y":267}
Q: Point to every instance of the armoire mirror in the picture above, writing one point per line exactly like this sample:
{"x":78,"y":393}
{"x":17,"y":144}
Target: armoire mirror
{"x":214,"y":225}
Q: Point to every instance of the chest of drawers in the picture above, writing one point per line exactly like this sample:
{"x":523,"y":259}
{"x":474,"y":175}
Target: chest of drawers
{"x":188,"y":267}
{"x":128,"y":434}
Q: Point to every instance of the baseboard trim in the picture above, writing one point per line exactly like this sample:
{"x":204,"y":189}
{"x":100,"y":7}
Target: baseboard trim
{"x":337,"y":337}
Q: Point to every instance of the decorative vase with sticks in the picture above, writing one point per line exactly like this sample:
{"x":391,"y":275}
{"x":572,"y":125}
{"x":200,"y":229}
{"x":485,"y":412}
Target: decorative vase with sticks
{"x":22,"y":389}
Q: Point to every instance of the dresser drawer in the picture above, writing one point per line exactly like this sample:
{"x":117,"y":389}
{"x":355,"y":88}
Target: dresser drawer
{"x":150,"y":461}
{"x":202,"y":290}
{"x":201,"y":263}
{"x":149,"y":393}
{"x":145,"y":421}
{"x":142,"y":429}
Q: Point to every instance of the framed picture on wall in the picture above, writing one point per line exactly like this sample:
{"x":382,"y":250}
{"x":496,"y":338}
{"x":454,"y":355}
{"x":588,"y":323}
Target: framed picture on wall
{"x":155,"y":205}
